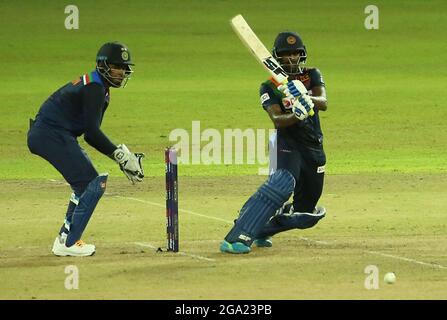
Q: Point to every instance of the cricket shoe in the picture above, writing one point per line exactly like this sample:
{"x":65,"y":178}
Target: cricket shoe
{"x":263,"y":242}
{"x":235,"y":247}
{"x":79,"y":249}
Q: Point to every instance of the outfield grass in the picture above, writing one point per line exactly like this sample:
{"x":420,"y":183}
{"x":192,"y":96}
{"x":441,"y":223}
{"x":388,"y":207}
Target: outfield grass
{"x":385,"y":86}
{"x":384,"y":139}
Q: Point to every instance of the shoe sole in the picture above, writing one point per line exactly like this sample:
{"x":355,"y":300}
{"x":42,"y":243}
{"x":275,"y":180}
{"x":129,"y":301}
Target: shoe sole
{"x":73,"y":255}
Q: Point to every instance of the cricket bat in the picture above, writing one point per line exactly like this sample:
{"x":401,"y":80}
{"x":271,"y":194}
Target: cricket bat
{"x":259,"y":51}
{"x":257,"y":48}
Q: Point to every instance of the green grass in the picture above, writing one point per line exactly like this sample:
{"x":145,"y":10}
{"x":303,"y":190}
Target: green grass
{"x":369,"y":217}
{"x":384,"y":86}
{"x":384,"y":138}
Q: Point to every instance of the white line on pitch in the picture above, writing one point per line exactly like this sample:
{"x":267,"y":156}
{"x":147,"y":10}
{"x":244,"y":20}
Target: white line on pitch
{"x":316,"y":241}
{"x":301,"y":238}
{"x":146,"y":244}
{"x":434,"y":265}
{"x":181,"y":210}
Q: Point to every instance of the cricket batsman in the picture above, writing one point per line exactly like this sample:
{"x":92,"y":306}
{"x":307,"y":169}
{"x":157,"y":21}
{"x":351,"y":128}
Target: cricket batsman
{"x":300,"y":158}
{"x":76,"y":109}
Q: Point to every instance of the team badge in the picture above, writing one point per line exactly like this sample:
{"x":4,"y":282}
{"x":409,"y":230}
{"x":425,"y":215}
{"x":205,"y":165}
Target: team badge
{"x":125,"y":55}
{"x":291,"y":40}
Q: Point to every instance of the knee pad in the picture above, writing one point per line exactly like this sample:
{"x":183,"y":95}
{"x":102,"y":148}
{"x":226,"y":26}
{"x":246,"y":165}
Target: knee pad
{"x":278,"y":188}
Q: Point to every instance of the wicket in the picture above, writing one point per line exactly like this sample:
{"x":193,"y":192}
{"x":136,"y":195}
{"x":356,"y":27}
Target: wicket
{"x":172,"y":199}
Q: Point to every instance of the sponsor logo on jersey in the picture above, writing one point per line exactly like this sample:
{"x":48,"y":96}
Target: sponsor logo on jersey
{"x":265,"y":97}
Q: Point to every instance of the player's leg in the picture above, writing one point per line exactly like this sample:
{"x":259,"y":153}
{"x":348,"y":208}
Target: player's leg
{"x":68,"y":242}
{"x":257,"y":211}
{"x":303,"y":213}
{"x":290,"y":160}
{"x":73,"y":202}
{"x":65,"y":154}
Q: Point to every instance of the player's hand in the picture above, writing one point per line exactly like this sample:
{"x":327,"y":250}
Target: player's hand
{"x":294,"y":88}
{"x":130,"y":163}
{"x":288,"y":102}
{"x":301,"y":111}
{"x":307,"y":102}
{"x":135,"y":176}
{"x":297,"y":90}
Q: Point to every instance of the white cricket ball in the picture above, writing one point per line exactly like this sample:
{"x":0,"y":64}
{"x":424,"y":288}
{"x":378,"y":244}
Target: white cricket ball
{"x":390,"y":278}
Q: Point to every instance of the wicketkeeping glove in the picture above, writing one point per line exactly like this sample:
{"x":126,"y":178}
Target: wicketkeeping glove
{"x":130,"y":163}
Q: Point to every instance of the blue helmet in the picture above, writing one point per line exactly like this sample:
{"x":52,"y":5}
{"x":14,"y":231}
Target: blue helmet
{"x":288,"y":42}
{"x":118,"y":55}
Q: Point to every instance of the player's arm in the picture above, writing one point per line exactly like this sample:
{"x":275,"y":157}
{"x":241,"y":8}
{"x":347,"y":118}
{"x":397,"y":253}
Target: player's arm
{"x":279,"y":118}
{"x":317,"y":86}
{"x":93,"y":102}
{"x":318,"y":97}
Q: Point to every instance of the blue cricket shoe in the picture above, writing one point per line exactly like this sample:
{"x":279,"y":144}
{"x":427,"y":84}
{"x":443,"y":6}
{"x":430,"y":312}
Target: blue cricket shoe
{"x":235,"y":247}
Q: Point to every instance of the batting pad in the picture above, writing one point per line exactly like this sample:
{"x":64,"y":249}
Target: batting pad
{"x":288,"y":221}
{"x":261,"y":206}
{"x":84,"y":210}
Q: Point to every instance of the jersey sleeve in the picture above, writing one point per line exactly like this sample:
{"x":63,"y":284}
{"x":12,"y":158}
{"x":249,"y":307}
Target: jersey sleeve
{"x":93,"y":102}
{"x":316,"y":78}
{"x":267,"y":96}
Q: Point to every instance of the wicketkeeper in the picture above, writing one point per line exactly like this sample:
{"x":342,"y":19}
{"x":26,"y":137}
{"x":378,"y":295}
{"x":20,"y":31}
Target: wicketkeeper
{"x":293,"y":109}
{"x":77,"y":109}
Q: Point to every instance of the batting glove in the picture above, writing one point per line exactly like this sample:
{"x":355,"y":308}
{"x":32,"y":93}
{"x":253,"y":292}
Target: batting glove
{"x":300,"y":111}
{"x":294,"y":88}
{"x":307,"y":102}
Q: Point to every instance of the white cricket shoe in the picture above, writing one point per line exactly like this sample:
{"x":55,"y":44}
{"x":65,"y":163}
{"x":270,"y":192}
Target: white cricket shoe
{"x":79,"y":249}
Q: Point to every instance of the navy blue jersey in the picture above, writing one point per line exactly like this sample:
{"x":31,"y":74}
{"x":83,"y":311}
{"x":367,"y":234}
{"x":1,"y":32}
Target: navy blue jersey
{"x":306,"y":133}
{"x":78,"y":108}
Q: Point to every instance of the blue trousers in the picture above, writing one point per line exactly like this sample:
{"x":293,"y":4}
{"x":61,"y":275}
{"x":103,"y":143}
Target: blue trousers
{"x":303,"y":165}
{"x":61,"y":149}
